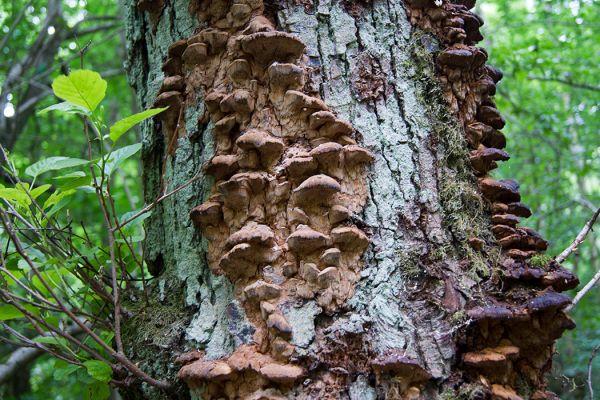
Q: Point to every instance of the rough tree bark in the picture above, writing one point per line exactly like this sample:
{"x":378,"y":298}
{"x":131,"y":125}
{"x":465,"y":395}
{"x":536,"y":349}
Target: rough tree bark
{"x":346,"y":240}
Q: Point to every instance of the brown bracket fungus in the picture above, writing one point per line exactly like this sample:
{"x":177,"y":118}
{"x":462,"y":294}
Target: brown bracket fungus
{"x":306,"y":240}
{"x":316,"y":190}
{"x":267,"y":47}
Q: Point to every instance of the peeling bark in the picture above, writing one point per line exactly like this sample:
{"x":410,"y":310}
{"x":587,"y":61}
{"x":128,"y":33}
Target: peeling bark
{"x":346,"y":241}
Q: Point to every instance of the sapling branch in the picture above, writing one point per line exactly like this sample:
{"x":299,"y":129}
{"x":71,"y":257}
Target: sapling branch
{"x":590,"y":381}
{"x":579,"y":239}
{"x":562,"y":256}
{"x":150,"y":206}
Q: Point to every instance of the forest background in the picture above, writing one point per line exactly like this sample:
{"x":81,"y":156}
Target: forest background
{"x":548,"y":50}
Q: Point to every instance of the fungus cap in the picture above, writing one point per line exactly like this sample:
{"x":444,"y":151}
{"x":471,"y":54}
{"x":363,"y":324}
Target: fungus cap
{"x":282,"y":373}
{"x":306,"y":240}
{"x":266,"y":47}
{"x":350,"y":238}
{"x":317,"y":189}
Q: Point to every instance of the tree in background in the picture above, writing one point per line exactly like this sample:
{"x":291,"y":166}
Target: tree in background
{"x":437,"y":309}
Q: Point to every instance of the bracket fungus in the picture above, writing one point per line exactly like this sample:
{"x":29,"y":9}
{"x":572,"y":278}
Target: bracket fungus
{"x":316,"y":190}
{"x":269,"y":147}
{"x":306,"y":240}
{"x":279,"y":162}
{"x":267,"y":47}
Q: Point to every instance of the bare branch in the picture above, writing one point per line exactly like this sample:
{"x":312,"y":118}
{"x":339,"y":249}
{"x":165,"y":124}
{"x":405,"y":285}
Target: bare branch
{"x":23,"y":356}
{"x":567,"y":82}
{"x":150,"y":206}
{"x":589,"y":378}
{"x":583,"y":291}
{"x":579,"y":239}
{"x":91,"y":30}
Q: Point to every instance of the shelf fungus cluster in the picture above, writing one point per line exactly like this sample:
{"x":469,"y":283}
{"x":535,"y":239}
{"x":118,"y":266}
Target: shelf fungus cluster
{"x":511,"y":338}
{"x":288,"y":178}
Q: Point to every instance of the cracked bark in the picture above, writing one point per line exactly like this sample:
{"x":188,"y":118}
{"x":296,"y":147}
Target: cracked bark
{"x":432,"y":315}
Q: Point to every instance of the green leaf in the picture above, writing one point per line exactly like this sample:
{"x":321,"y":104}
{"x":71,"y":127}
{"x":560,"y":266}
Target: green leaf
{"x":63,"y":369}
{"x":114,"y":159}
{"x":56,"y":197}
{"x":99,"y":370}
{"x":122,"y":126}
{"x":38,"y":191}
{"x":136,"y":221}
{"x":97,"y":391}
{"x":82,"y":87}
{"x":76,"y":174}
{"x":53,"y":163}
{"x":8,"y":312}
{"x":52,"y":340}
{"x":65,"y":107}
{"x":13,"y":196}
{"x":73,"y":183}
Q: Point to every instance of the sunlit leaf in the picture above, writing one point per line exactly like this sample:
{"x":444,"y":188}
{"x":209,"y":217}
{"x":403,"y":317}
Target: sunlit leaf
{"x":9,"y":312}
{"x":81,"y":87}
{"x":15,"y":196}
{"x":122,"y":126}
{"x":56,"y":197}
{"x":38,"y":191}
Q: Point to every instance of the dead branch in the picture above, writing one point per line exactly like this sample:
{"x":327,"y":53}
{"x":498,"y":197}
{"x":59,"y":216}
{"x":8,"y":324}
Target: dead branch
{"x":579,"y":239}
{"x":589,"y":377}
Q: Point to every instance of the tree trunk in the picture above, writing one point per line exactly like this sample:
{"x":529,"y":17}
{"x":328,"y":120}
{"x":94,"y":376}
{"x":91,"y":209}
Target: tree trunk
{"x":345,"y":240}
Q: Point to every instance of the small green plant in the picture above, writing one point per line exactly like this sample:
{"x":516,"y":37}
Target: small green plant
{"x":458,"y":317}
{"x":62,"y":284}
{"x":540,"y":261}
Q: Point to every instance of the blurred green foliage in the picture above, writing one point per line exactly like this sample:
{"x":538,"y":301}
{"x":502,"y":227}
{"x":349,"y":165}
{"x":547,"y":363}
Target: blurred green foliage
{"x":550,"y":97}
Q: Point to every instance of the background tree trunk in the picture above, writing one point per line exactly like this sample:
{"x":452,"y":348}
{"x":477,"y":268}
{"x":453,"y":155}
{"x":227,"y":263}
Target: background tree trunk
{"x":436,"y":307}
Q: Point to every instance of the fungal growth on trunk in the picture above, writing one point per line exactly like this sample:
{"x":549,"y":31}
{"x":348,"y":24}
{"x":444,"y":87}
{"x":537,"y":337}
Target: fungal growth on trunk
{"x":510,"y":342}
{"x":288,"y":177}
{"x":356,"y":285}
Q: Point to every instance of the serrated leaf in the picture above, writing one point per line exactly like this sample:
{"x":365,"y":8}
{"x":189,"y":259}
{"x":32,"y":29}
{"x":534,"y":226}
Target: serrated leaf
{"x":122,"y":126}
{"x":53,"y":163}
{"x":65,"y":107}
{"x":99,"y":370}
{"x":82,"y":87}
{"x":114,"y":159}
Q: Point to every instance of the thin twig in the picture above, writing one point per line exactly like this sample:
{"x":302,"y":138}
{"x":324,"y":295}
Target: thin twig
{"x":579,"y":239}
{"x":583,"y":291}
{"x":567,"y":82}
{"x":589,"y":377}
{"x":150,"y":206}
